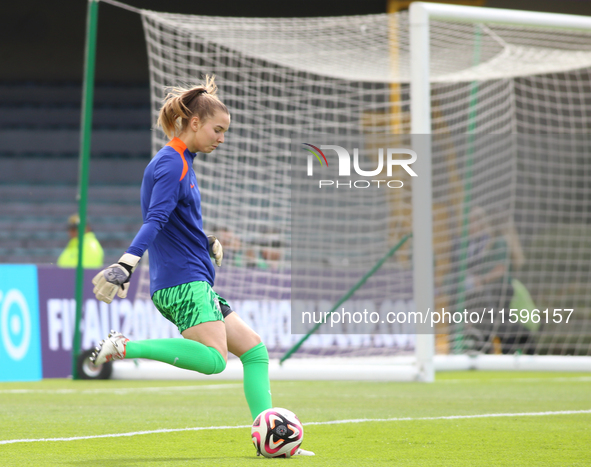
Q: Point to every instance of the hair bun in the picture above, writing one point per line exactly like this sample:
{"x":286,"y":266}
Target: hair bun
{"x":181,"y":104}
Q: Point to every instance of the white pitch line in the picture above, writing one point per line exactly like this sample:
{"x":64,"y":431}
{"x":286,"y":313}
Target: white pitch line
{"x":118,"y":390}
{"x":333,"y":422}
{"x":453,"y":417}
{"x":565,"y":379}
{"x":117,"y":435}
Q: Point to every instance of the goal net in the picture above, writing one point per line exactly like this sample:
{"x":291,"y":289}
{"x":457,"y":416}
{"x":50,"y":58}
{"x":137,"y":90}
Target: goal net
{"x":510,"y":107}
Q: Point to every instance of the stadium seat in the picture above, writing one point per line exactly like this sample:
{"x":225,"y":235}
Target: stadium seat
{"x":39,"y":147}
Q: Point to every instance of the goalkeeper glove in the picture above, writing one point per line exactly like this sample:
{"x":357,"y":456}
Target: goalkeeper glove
{"x":215,"y":250}
{"x":115,"y":279}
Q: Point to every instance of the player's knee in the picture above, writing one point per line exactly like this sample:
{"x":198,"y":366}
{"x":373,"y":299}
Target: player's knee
{"x":251,"y":340}
{"x":219,"y":362}
{"x":256,"y":339}
{"x":221,"y":366}
{"x":224,"y":353}
{"x":259,"y":349}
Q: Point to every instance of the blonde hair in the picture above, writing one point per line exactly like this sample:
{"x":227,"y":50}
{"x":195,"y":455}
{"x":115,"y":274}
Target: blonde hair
{"x":182,"y":104}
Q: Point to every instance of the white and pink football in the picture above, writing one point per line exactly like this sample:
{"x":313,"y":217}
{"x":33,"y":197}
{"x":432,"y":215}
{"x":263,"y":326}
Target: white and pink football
{"x":277,"y":433}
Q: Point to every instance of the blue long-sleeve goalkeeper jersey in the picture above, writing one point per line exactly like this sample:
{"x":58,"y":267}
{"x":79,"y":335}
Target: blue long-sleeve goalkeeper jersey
{"x":173,"y":225}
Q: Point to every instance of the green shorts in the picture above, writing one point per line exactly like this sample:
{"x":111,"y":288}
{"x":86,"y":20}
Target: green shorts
{"x":190,"y":304}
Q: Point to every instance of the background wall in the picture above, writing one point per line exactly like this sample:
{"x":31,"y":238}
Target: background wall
{"x":45,"y":40}
{"x":41,"y":61}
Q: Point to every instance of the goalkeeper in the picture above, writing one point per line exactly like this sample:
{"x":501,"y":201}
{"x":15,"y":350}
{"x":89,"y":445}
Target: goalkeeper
{"x":181,"y":269}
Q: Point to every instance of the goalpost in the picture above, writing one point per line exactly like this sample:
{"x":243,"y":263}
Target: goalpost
{"x":475,"y":87}
{"x":421,"y":16}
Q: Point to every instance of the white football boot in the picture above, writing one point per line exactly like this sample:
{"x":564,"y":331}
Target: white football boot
{"x":303,"y":452}
{"x":112,"y":348}
{"x":299,"y":452}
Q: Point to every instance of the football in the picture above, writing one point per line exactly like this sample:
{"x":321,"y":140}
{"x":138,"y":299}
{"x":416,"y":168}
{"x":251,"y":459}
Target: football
{"x":277,"y":433}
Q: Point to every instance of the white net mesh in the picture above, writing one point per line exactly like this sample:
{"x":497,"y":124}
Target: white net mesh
{"x":349,"y":76}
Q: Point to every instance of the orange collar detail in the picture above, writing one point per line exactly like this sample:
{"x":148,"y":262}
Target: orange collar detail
{"x":177,"y":144}
{"x":180,"y":147}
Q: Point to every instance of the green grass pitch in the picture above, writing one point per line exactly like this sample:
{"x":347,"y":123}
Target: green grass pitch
{"x":439,"y":424}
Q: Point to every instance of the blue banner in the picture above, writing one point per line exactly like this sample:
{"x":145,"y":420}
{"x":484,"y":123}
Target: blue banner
{"x":20,"y":342}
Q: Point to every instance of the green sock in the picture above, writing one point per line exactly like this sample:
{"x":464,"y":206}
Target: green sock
{"x":257,"y":388}
{"x":182,"y":353}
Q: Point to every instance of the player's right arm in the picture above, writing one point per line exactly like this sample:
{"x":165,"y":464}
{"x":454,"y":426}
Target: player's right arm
{"x":167,"y":175}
